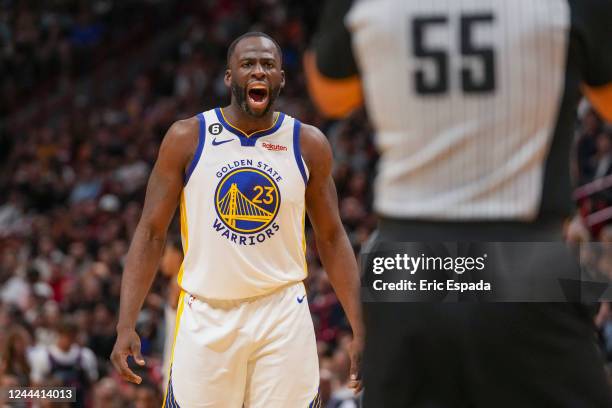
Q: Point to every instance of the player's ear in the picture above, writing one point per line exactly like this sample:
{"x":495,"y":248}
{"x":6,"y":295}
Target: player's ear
{"x":227,"y":78}
{"x":282,"y":84}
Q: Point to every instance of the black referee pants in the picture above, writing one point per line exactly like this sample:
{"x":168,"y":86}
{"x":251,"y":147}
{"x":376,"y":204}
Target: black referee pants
{"x":480,"y":355}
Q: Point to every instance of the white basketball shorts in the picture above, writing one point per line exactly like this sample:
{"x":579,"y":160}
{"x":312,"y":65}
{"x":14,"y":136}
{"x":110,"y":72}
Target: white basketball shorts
{"x":252,"y":354}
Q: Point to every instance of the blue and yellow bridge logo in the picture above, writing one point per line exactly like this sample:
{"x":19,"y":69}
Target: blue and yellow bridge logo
{"x":247,"y":200}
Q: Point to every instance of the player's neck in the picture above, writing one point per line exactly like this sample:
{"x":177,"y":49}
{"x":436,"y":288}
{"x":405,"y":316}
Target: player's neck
{"x":247,"y":123}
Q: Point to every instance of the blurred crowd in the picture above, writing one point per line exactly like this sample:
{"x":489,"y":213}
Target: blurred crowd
{"x":74,"y":179}
{"x":44,"y":46}
{"x":593,"y":147}
{"x":593,"y":171}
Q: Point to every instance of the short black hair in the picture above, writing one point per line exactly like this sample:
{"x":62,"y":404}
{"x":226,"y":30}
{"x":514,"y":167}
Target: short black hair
{"x":232,"y":46}
{"x":68,"y":327}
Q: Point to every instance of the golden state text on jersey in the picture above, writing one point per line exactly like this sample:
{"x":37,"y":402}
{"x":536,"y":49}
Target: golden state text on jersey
{"x":243,"y":209}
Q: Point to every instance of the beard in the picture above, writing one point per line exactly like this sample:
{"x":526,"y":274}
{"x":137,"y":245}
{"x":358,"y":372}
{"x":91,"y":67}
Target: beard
{"x":240,"y":93}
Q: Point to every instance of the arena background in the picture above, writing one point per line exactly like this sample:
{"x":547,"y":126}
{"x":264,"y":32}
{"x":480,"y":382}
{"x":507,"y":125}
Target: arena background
{"x":87,"y":91}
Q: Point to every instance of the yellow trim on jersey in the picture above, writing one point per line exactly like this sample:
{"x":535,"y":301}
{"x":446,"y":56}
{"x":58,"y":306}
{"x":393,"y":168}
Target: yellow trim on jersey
{"x":304,"y":240}
{"x":316,"y":402}
{"x":244,"y":133}
{"x":184,"y":235}
{"x":181,"y":301}
{"x":179,"y":312}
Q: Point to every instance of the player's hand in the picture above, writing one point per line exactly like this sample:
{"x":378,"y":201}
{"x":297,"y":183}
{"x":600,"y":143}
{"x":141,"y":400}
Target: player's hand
{"x":355,"y":352}
{"x":128,"y":343}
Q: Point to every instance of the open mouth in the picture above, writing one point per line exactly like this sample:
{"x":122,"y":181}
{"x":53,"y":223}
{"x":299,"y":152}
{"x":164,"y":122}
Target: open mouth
{"x":258,"y":95}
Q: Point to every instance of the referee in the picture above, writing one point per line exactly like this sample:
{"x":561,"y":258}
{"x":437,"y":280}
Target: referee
{"x":473,"y":103}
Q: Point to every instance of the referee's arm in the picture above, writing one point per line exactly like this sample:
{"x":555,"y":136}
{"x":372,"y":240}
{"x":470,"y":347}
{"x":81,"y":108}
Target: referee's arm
{"x":331,"y":72}
{"x":593,"y":29}
{"x":601,"y":99}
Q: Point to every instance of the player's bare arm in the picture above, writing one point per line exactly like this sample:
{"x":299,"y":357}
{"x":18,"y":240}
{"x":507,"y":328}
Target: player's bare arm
{"x":162,"y":196}
{"x":596,"y":85}
{"x":333,"y":245}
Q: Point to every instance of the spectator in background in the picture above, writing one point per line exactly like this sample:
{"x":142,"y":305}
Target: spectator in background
{"x":66,"y":363}
{"x":586,"y":146}
{"x":14,"y":355}
{"x":147,"y":395}
{"x":594,"y":204}
{"x":15,"y":291}
{"x":102,"y":332}
{"x":106,"y":394}
{"x":9,"y":381}
{"x":601,"y":163}
{"x":342,"y":396}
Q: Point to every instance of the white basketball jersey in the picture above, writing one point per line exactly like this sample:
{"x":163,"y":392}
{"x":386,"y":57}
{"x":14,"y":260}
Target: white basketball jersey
{"x":242,"y":210}
{"x":464,"y":96}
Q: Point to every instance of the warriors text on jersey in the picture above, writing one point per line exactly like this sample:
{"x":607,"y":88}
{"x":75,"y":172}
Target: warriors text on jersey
{"x":242,"y":210}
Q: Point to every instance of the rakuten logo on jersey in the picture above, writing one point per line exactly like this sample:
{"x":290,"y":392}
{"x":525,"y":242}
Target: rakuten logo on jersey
{"x":274,"y":147}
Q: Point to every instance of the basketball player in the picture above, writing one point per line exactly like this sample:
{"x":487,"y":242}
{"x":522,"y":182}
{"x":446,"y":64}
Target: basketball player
{"x":473,"y":103}
{"x":245,"y":175}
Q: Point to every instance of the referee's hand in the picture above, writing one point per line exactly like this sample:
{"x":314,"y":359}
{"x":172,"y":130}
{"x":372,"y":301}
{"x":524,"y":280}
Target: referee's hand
{"x":355,"y":352}
{"x":128,"y":343}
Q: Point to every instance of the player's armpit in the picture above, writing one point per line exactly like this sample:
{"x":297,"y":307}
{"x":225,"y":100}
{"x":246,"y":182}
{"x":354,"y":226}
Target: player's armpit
{"x":601,"y":99}
{"x":335,"y":98}
{"x":167,"y":177}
